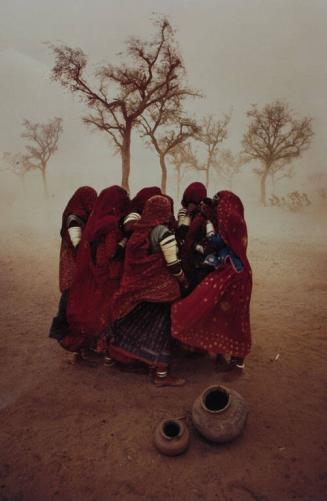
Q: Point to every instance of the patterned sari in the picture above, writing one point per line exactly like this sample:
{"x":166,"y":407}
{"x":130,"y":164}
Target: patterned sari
{"x":141,"y":307}
{"x":215,"y":316}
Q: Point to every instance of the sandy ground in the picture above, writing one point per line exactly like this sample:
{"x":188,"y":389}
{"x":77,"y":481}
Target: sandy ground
{"x":80,"y":433}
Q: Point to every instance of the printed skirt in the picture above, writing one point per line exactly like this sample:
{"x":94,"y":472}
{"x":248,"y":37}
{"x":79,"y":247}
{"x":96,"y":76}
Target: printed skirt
{"x":142,"y":335}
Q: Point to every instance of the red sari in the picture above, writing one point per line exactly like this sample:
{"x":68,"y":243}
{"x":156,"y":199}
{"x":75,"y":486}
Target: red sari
{"x":195,"y":193}
{"x":215,"y":316}
{"x":146,"y":277}
{"x":137,"y":203}
{"x":98,"y":271}
{"x":141,"y":307}
{"x":81,"y":205}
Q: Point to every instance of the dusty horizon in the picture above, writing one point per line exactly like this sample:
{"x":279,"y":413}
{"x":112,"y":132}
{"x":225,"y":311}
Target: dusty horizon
{"x":237,"y":54}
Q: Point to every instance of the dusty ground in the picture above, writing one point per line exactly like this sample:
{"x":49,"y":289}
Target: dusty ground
{"x":80,"y":433}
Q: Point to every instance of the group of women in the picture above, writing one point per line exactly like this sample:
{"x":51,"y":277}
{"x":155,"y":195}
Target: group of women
{"x":135,"y":281}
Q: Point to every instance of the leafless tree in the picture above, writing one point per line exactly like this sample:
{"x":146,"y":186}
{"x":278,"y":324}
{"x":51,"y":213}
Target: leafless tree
{"x":226,"y":164}
{"x":281,"y":170}
{"x":42,"y":144}
{"x":166,"y":128}
{"x":275,"y":135}
{"x":16,"y":163}
{"x":182,"y":156}
{"x":213,"y":132}
{"x":122,"y":93}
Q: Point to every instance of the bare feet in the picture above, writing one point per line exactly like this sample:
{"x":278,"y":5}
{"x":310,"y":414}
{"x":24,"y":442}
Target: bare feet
{"x":235,"y":364}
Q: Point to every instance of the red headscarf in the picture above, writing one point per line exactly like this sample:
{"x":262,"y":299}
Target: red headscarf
{"x":138,"y":202}
{"x":110,"y":206}
{"x":172,"y":221}
{"x":194,"y":193}
{"x":145,"y":276}
{"x":98,"y":275}
{"x":80,"y":204}
{"x":231,"y":224}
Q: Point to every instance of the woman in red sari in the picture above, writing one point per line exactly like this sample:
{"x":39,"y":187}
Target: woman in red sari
{"x":150,"y":283}
{"x":74,"y":219}
{"x":190,"y":221}
{"x":98,"y":271}
{"x":137,"y":203}
{"x":134,"y":212}
{"x":215,"y":316}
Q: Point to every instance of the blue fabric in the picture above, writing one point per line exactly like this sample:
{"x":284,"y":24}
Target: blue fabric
{"x":222,"y":252}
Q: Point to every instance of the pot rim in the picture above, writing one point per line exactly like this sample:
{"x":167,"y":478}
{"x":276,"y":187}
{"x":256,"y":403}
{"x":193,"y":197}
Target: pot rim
{"x":209,"y":389}
{"x":174,"y":421}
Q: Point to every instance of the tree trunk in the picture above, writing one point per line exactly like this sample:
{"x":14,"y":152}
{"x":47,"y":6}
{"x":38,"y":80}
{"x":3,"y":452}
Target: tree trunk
{"x":163,"y":174}
{"x":126,"y":157}
{"x":273,"y":184}
{"x":207,"y":175}
{"x":178,"y":169}
{"x":263,"y":187}
{"x":45,"y":184}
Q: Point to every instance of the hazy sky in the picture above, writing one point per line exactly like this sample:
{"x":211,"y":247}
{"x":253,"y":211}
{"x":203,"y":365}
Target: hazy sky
{"x":237,"y":52}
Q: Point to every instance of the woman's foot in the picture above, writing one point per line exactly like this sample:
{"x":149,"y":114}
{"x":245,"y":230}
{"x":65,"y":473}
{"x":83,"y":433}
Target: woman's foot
{"x":222,"y":365}
{"x":109,"y":362}
{"x":162,"y":378}
{"x":237,"y":363}
{"x":76,"y":357}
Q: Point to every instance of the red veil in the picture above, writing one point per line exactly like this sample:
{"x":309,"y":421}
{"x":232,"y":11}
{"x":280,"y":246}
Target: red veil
{"x":145,"y":276}
{"x":137,"y":203}
{"x":194,"y":193}
{"x":215,"y":316}
{"x":98,"y":272}
{"x":80,"y":204}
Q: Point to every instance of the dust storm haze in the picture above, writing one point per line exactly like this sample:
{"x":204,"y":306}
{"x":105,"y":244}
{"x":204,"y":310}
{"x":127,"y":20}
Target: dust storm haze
{"x":236,"y":53}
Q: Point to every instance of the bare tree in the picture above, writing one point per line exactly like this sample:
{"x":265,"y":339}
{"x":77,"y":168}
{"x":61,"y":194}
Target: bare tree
{"x":273,"y":136}
{"x":17,"y":164}
{"x":182,"y":155}
{"x":281,"y":170}
{"x":226,"y":164}
{"x":166,"y":129}
{"x":43,"y":143}
{"x":213,"y":132}
{"x":122,"y":93}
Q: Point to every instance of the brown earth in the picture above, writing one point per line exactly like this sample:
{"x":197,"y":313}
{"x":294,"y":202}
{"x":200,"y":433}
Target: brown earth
{"x":80,"y":433}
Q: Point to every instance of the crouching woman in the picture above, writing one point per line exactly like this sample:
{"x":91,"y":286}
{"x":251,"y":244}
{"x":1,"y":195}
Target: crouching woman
{"x":150,"y":283}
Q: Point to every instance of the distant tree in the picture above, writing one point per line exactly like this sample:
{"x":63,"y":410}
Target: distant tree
{"x":226,"y":165}
{"x":274,"y":137}
{"x":280,"y":170}
{"x":42,"y":144}
{"x":166,"y":129}
{"x":123,"y":93}
{"x":213,"y":132}
{"x":17,"y":165}
{"x":181,"y":156}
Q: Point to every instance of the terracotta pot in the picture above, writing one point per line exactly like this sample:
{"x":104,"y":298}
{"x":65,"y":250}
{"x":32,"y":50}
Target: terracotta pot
{"x":219,"y":414}
{"x":171,"y":437}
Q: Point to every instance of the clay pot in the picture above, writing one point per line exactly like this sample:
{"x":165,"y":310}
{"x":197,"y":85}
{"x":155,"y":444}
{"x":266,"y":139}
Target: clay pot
{"x":219,"y":414}
{"x":171,"y":437}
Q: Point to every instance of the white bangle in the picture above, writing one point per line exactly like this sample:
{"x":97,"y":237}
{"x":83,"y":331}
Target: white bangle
{"x":75,"y":234}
